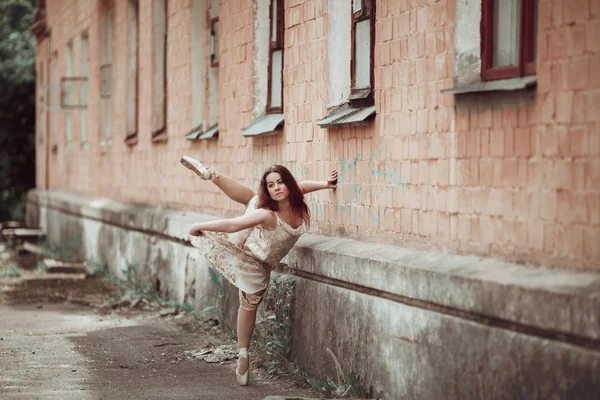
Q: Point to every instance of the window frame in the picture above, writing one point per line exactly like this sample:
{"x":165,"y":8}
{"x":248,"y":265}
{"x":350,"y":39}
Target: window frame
{"x":527,"y":36}
{"x":274,"y":46}
{"x":131,"y":135}
{"x":367,"y":12}
{"x":159,"y":133}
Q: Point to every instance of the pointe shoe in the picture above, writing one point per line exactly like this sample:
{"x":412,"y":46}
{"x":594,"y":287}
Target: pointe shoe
{"x":243,"y":379}
{"x":198,"y":168}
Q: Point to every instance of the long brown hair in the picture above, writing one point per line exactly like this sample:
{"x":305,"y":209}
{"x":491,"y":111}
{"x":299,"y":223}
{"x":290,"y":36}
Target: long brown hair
{"x":296,"y":197}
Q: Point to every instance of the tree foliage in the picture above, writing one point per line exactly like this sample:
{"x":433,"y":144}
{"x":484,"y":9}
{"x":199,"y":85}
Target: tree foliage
{"x":17,"y":105}
{"x":17,"y":45}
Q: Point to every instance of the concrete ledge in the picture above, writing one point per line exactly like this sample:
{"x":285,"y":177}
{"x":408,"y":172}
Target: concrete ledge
{"x":554,"y":304}
{"x":559,"y":302}
{"x":409,"y":324}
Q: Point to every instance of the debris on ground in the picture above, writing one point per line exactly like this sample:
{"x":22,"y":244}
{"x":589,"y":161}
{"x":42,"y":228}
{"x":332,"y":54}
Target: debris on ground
{"x":219,"y":354}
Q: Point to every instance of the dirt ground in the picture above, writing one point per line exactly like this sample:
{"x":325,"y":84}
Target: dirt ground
{"x":62,"y":338}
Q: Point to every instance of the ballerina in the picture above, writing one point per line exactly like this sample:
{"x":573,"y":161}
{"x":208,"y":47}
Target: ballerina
{"x":247,"y":248}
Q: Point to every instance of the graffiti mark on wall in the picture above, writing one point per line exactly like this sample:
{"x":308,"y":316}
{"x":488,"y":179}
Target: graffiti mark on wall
{"x":385,"y":177}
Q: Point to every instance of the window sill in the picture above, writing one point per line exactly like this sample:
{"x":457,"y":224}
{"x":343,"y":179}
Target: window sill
{"x":131,"y":140}
{"x":159,"y":137}
{"x":501,"y":85}
{"x":197,"y":134}
{"x":347,"y":115}
{"x":265,"y":125}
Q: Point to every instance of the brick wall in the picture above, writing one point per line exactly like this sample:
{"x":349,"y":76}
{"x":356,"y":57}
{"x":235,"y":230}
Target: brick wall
{"x":513,"y":176}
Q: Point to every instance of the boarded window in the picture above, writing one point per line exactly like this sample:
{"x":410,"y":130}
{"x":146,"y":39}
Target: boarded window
{"x":41,"y":99}
{"x":68,"y":95}
{"x":54,"y":101}
{"x":83,"y":89}
{"x":159,"y":62}
{"x":106,"y":48}
{"x":132,"y":68}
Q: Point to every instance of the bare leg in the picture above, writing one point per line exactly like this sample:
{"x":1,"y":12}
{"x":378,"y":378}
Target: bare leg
{"x":235,"y":190}
{"x":245,"y":327}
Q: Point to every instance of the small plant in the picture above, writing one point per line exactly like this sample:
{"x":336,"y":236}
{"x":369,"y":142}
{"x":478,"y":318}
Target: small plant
{"x":63,"y":252}
{"x":216,"y":310}
{"x":41,"y":267}
{"x":186,"y":307}
{"x":133,"y":287}
{"x":274,"y":341}
{"x":12,"y":271}
{"x":99,"y":269}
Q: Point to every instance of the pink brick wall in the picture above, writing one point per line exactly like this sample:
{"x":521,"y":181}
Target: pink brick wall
{"x":492,"y":176}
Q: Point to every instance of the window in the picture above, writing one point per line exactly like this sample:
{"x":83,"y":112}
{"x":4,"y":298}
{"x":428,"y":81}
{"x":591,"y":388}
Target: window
{"x":363,"y":44}
{"x":509,"y":38}
{"x":198,"y":68}
{"x":159,"y":68}
{"x":132,"y":70}
{"x":41,"y":99}
{"x":351,"y":45}
{"x":205,"y":70}
{"x":268,"y":69}
{"x":54,"y":100}
{"x":106,"y":48}
{"x":83,"y":89}
{"x":275,"y":93}
{"x":68,"y":95}
{"x":212,"y":96}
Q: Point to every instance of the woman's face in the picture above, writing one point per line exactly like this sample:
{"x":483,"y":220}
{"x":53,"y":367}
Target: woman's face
{"x":277,"y":189}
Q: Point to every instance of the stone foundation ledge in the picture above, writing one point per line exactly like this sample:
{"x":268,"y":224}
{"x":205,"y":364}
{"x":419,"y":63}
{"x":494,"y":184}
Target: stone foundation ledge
{"x":551,"y":303}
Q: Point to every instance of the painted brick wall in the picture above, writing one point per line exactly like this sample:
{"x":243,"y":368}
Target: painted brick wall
{"x":511,"y":176}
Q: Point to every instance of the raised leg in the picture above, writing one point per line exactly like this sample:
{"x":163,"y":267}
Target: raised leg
{"x":235,"y":190}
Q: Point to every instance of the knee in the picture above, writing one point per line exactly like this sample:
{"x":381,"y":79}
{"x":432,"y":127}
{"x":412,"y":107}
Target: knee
{"x":251,"y":301}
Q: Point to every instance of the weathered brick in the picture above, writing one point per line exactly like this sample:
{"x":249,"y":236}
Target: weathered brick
{"x":537,"y":163}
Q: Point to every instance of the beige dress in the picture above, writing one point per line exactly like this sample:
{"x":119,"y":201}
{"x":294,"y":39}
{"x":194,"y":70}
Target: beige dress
{"x":246,"y":258}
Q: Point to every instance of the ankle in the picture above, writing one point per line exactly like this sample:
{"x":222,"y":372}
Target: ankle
{"x":212,"y":173}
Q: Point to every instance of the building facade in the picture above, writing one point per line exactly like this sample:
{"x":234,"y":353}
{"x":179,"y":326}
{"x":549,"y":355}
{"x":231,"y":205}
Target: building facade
{"x":459,"y":128}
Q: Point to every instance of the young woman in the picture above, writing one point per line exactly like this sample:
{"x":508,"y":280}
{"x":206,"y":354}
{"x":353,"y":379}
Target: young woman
{"x":247,"y":248}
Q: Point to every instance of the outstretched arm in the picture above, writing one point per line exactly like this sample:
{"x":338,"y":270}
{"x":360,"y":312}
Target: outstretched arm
{"x":231,"y":225}
{"x":312,"y":186}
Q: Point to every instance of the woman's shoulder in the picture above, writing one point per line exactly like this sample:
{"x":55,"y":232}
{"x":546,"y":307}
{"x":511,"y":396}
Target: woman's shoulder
{"x":270,"y":218}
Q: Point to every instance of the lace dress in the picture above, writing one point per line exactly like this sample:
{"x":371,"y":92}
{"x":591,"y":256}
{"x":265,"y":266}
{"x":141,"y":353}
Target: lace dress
{"x":246,"y":258}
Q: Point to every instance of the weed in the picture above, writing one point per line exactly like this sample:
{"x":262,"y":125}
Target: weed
{"x":132,"y":286}
{"x":41,"y":267}
{"x":12,"y":271}
{"x":186,"y":307}
{"x":273,"y":343}
{"x":98,"y":268}
{"x":220,"y":297}
{"x":63,"y":252}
